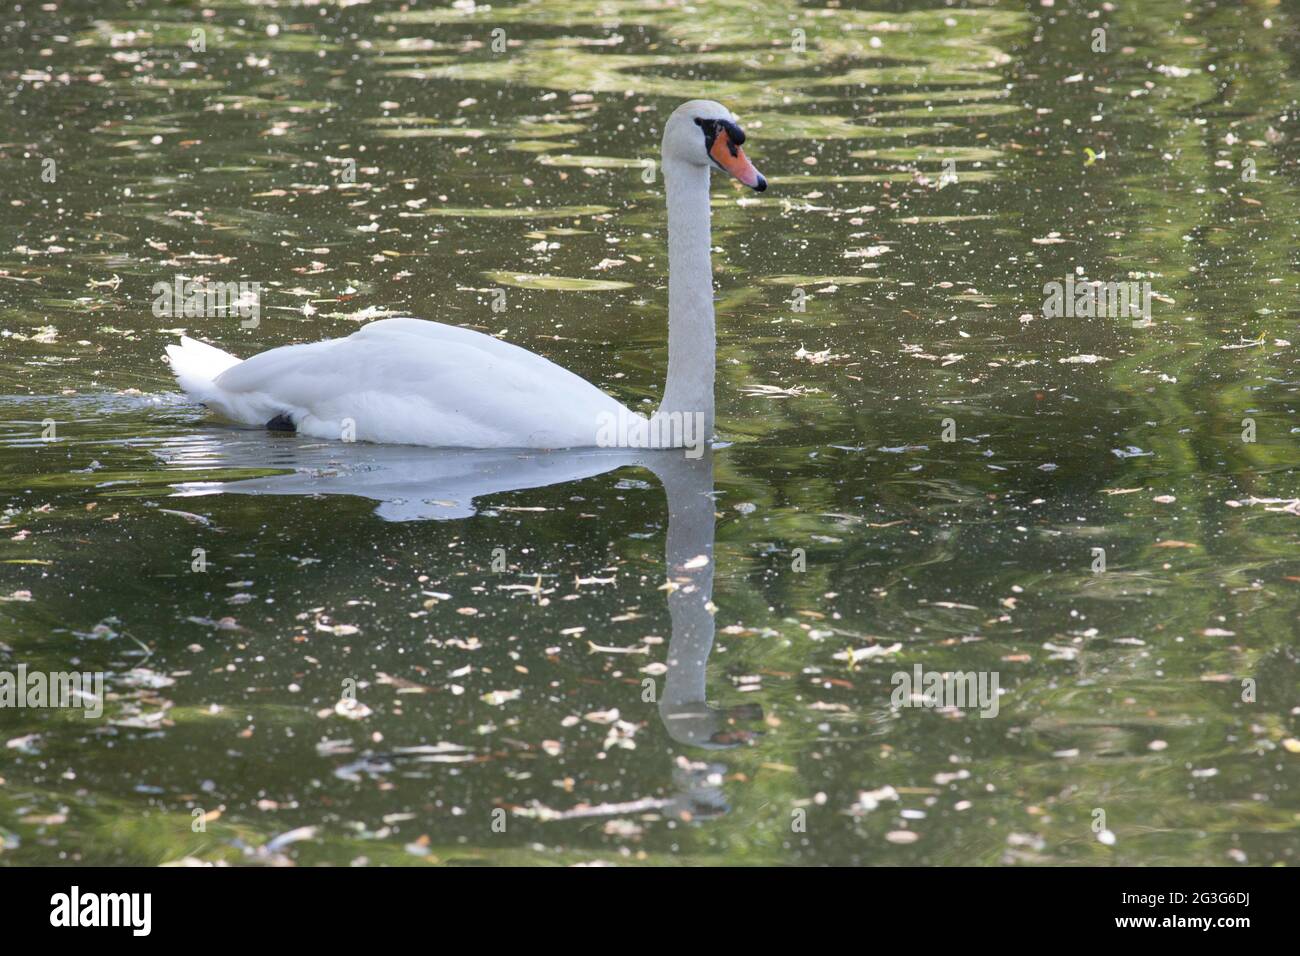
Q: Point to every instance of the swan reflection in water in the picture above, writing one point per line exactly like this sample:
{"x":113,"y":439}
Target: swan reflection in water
{"x":413,"y":484}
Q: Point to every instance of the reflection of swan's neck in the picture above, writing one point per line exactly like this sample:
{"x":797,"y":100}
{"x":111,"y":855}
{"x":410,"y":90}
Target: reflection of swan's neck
{"x":688,"y":484}
{"x":691,"y":343}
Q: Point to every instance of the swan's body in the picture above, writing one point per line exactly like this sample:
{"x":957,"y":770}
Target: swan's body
{"x":409,"y":381}
{"x":402,"y":381}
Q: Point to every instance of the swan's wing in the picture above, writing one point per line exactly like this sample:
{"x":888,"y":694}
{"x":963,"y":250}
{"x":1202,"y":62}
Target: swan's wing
{"x":416,"y":382}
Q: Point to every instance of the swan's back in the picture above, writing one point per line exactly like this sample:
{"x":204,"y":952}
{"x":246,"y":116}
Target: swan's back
{"x":408,"y":381}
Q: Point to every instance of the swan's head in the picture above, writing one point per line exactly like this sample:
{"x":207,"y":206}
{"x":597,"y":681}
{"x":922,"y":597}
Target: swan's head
{"x":705,"y":133}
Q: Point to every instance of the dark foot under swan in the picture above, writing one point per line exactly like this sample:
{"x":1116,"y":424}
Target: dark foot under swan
{"x":413,"y":382}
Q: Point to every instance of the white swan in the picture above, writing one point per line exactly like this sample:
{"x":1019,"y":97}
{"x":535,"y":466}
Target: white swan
{"x":413,"y":382}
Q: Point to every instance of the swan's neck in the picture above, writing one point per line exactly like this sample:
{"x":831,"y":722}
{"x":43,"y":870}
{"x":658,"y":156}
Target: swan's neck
{"x":691,"y":342}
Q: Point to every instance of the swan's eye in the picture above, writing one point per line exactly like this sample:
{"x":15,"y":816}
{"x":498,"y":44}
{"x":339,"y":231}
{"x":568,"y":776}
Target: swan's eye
{"x":732,"y":134}
{"x":722,"y":141}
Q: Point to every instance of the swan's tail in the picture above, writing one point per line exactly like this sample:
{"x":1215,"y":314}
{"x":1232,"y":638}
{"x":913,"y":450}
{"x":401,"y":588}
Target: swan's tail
{"x":196,"y":365}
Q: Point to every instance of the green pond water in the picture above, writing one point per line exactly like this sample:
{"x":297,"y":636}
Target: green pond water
{"x":634,"y":658}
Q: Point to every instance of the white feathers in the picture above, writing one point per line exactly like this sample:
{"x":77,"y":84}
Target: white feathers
{"x":196,"y":365}
{"x":405,"y":381}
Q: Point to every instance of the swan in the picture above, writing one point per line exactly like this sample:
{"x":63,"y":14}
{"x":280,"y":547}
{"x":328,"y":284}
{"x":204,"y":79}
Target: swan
{"x":414,"y":382}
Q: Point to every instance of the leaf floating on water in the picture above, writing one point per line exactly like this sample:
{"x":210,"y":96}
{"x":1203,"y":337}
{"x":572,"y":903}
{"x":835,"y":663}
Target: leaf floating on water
{"x":352,"y":709}
{"x":1243,"y":344}
{"x":45,"y":335}
{"x":144,"y":721}
{"x":579,"y":582}
{"x":188,"y":516}
{"x":594,"y":162}
{"x":817,"y":358}
{"x":419,"y":847}
{"x":225,"y":624}
{"x":403,"y":685}
{"x":1289,"y":505}
{"x":544,"y":814}
{"x":285,"y":839}
{"x":867,"y":653}
{"x":369,"y":313}
{"x":869,"y":800}
{"x":146,"y":678}
{"x":869,"y":252}
{"x":523,"y":280}
{"x":902,"y":449}
{"x":774,"y":391}
{"x":44,"y":820}
{"x":803,"y":280}
{"x":513,"y":212}
{"x":599,"y":649}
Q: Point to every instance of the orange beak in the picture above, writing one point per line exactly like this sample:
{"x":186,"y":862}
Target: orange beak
{"x":730,"y":157}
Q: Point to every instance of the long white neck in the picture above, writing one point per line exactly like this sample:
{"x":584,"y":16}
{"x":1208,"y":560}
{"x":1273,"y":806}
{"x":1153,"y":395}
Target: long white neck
{"x":691,"y":341}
